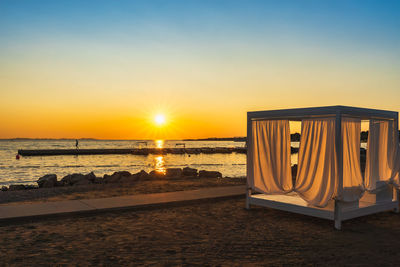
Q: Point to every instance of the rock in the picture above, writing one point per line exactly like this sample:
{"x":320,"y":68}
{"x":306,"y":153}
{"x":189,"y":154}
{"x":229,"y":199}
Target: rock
{"x":173,"y":172}
{"x":76,"y":178}
{"x":156,"y":175}
{"x":91,"y":177}
{"x":106,"y":178}
{"x":142,"y":175}
{"x":116,"y":176}
{"x":126,"y":179}
{"x":98,"y":180}
{"x":210,"y":174}
{"x":31,"y":186}
{"x":83,"y":182}
{"x":122,"y":173}
{"x":4,"y":188}
{"x":16,"y":187}
{"x":189,"y":171}
{"x":49,"y":180}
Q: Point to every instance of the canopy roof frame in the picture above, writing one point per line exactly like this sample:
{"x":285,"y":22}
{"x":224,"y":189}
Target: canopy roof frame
{"x":315,"y":112}
{"x":301,"y":113}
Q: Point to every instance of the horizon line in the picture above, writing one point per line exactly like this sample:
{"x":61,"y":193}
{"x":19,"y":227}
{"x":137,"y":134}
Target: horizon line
{"x":101,"y":139}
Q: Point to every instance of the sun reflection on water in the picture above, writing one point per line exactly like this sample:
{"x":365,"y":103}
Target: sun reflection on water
{"x":159,"y":143}
{"x":159,"y":164}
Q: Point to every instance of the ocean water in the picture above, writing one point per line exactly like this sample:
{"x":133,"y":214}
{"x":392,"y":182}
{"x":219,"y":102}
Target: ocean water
{"x":27,"y":170}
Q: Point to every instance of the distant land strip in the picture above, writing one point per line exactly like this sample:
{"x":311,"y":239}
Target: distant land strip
{"x":295,"y":137}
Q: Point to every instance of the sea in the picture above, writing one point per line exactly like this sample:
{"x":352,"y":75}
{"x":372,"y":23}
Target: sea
{"x":27,"y":170}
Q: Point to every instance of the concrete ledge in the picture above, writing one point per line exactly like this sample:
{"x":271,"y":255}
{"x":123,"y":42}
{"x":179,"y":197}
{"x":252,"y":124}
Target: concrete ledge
{"x":133,"y":151}
{"x":46,"y":209}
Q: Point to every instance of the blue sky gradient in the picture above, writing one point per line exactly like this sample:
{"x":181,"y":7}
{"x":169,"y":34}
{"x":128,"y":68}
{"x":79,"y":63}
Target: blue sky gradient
{"x":233,"y":55}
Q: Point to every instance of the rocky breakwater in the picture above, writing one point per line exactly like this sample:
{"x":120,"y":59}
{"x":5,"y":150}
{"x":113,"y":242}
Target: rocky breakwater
{"x":125,"y":177}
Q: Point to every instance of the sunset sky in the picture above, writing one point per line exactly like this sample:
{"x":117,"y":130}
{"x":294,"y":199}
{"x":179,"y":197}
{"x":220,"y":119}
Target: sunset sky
{"x":106,"y":69}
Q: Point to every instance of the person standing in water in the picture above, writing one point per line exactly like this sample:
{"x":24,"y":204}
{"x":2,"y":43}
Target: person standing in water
{"x":76,"y":143}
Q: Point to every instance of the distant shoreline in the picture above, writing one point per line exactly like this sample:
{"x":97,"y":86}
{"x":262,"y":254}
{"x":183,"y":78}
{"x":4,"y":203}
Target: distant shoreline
{"x":238,"y":139}
{"x":295,"y":137}
{"x":53,"y":139}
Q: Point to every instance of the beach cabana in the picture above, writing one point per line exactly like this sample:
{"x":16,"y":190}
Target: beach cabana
{"x":329,"y":183}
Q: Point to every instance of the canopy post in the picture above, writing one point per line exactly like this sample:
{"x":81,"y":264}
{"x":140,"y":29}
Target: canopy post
{"x":249,"y":159}
{"x":248,"y":195}
{"x":339,"y":160}
{"x":338,"y":219}
{"x":396,"y":198}
{"x":396,"y":190}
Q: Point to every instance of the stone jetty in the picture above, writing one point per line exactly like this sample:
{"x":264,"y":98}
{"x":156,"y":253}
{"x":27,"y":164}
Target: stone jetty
{"x":134,"y":151}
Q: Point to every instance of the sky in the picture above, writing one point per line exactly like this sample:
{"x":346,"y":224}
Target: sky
{"x":105,"y":69}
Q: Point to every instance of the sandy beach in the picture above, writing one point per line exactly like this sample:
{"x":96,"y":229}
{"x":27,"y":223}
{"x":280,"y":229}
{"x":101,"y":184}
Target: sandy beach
{"x":206,"y":233}
{"x":115,"y":189}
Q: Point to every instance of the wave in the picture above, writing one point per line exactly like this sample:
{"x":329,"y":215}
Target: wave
{"x":26,"y":167}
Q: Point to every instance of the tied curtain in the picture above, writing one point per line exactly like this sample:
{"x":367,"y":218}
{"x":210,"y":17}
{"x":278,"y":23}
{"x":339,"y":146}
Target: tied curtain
{"x":383,"y":155}
{"x":317,"y":177}
{"x":271,"y":172}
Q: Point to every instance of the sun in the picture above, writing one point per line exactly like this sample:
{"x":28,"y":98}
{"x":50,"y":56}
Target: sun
{"x":159,"y":119}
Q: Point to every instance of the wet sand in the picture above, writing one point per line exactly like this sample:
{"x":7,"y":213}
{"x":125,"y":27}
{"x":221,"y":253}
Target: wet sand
{"x":206,"y":233}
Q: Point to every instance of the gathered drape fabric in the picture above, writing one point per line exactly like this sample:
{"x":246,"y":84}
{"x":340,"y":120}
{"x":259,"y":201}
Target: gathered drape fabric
{"x":383,"y":158}
{"x":271,"y":157}
{"x":317,"y":175}
{"x":317,"y":166}
{"x":353,"y":185}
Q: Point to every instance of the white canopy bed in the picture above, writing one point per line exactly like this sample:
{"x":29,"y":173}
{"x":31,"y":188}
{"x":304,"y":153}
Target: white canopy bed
{"x":329,"y":182}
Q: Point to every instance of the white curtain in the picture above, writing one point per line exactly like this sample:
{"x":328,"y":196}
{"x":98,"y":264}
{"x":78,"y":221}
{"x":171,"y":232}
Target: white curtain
{"x":317,"y":168}
{"x":317,"y":176}
{"x":270,"y":153}
{"x":353,"y":185}
{"x":383,"y":161}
